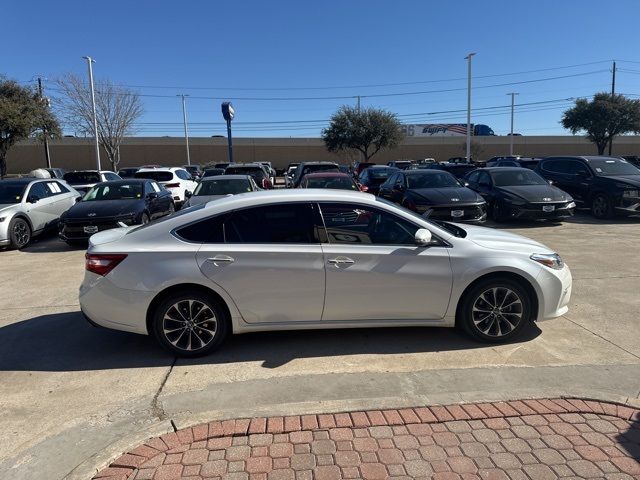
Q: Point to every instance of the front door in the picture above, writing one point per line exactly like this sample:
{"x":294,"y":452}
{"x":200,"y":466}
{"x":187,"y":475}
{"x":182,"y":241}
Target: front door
{"x":270,"y":263}
{"x":376,"y":272}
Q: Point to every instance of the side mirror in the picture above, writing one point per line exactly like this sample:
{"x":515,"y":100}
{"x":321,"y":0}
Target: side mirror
{"x":152,"y":195}
{"x":33,"y":199}
{"x":550,"y":182}
{"x":423,"y":237}
{"x":188,"y":194}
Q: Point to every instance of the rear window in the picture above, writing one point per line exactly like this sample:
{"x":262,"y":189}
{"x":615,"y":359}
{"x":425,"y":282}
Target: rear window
{"x":81,"y":178}
{"x":157,"y":176}
{"x":320,"y":168}
{"x":253,"y":171}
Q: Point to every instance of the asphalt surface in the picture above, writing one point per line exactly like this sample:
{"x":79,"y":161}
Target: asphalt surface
{"x":72,"y":396}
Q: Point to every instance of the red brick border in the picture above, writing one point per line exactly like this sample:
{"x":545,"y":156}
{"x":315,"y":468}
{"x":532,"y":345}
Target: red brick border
{"x":173,"y":442}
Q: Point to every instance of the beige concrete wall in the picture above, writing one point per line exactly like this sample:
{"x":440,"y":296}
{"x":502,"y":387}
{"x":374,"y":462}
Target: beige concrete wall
{"x":77,"y":153}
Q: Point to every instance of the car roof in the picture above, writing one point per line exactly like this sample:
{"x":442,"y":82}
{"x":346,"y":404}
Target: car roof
{"x":327,"y":174}
{"x":319,"y":163}
{"x":225,"y":177}
{"x":25,"y":180}
{"x":246,"y":165}
{"x":424,"y":171}
{"x":125,"y":180}
{"x":160,"y":169}
{"x":505,"y":169}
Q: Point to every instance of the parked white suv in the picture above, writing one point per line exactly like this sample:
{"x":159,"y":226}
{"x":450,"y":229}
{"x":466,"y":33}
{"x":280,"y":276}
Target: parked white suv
{"x":176,"y":180}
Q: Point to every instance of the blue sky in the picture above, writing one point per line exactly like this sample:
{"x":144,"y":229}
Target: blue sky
{"x":251,"y":51}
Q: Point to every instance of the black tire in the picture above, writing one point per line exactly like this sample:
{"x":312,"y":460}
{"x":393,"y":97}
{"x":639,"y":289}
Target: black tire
{"x":601,"y":206}
{"x":499,"y":326}
{"x":144,"y":219}
{"x":172,"y":208}
{"x":19,"y":233}
{"x":186,"y":339}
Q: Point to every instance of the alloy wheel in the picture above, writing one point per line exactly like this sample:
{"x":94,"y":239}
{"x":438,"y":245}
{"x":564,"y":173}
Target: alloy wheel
{"x":600,"y":206}
{"x":497,"y":311}
{"x":21,"y":233}
{"x":189,"y":325}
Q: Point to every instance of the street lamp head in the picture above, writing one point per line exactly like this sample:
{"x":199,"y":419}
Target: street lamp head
{"x":89,"y":59}
{"x":469,"y":56}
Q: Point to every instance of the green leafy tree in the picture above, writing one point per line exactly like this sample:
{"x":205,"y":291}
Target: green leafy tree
{"x":367,"y":130}
{"x":22,"y":114}
{"x":603,"y":118}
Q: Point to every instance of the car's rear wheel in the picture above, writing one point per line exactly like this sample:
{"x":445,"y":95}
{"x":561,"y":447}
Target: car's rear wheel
{"x":190,"y":324}
{"x":145,"y":219}
{"x":19,"y":233}
{"x":495,"y":310}
{"x":601,"y":206}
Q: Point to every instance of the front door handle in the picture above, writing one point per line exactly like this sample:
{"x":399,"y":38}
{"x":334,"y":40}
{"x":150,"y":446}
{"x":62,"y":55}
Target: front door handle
{"x":341,"y":261}
{"x":221,"y":259}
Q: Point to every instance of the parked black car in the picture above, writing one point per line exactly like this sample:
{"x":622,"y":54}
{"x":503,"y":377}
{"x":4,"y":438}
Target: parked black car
{"x":212,"y":172}
{"x":194,"y":170}
{"x":130,"y":202}
{"x":515,"y":192}
{"x":632,"y":159}
{"x":458,"y":170}
{"x":312,"y":167}
{"x":435,"y":194}
{"x":374,"y":176}
{"x":606,"y":185}
{"x":128,"y":172}
{"x":525,"y":162}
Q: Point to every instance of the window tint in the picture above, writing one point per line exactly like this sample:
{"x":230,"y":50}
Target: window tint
{"x":56,"y":188}
{"x":484,"y":179}
{"x":111,"y":176}
{"x":155,"y":186}
{"x":556,"y":166}
{"x":39,"y":190}
{"x":473,"y":177}
{"x":209,"y":230}
{"x":288,"y":223}
{"x":183,"y":174}
{"x":357,"y":225}
{"x":161,"y":176}
{"x":81,"y":178}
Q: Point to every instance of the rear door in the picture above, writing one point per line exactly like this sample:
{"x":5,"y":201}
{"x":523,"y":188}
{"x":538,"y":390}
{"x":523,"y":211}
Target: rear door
{"x":376,"y":272}
{"x":270,"y":263}
{"x":563,"y":172}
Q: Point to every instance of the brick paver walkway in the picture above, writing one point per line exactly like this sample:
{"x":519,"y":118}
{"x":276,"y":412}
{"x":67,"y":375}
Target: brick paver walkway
{"x":529,"y":439}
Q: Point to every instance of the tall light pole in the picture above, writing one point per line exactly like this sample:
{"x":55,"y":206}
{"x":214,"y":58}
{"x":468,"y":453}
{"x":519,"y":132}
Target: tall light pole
{"x":45,"y":134}
{"x":468,"y":58}
{"x":186,"y":132}
{"x":90,"y":61}
{"x":513,"y":96}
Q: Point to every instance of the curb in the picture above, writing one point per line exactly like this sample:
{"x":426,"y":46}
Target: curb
{"x":126,"y":464}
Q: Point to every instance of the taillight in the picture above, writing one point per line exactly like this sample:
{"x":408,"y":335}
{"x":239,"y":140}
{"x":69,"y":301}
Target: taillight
{"x":101,"y":264}
{"x":171,"y":185}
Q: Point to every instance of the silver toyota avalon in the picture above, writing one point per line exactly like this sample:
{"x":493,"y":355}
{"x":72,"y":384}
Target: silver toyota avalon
{"x":309,"y":259}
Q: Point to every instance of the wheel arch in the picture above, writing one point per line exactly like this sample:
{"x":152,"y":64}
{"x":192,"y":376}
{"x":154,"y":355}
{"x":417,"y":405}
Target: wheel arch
{"x":521,"y":279}
{"x":189,"y":287}
{"x":25,"y":218}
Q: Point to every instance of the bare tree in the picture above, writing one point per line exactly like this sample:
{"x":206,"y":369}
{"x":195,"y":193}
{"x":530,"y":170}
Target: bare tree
{"x":117,"y":110}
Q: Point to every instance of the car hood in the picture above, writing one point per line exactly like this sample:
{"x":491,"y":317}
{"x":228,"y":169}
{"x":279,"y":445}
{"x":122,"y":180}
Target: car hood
{"x":446,"y":195}
{"x":200,"y":199}
{"x":536,"y":193}
{"x":632,"y":180}
{"x":7,"y":207}
{"x":103,"y":208}
{"x":500,"y":240}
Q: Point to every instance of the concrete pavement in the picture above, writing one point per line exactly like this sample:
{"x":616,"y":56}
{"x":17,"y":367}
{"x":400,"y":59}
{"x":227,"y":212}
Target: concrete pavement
{"x":72,"y":397}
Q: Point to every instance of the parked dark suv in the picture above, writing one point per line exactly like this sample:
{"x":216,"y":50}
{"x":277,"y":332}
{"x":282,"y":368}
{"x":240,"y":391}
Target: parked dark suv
{"x":606,"y":185}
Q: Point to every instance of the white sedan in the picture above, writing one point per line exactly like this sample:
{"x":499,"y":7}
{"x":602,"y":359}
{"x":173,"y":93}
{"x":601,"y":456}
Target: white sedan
{"x":309,"y":259}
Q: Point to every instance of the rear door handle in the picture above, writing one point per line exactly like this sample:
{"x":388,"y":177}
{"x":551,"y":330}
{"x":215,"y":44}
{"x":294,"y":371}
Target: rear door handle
{"x":341,"y":261}
{"x":221,"y":259}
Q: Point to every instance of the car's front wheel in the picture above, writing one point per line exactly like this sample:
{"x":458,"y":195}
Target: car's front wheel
{"x":495,"y":310}
{"x":190,"y":324}
{"x":601,"y":206}
{"x":19,"y":233}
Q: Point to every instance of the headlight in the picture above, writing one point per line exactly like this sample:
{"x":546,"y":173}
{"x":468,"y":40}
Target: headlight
{"x":422,"y":208}
{"x":551,"y":260}
{"x":571,"y":205}
{"x":631,"y":194}
{"x":514,"y":200}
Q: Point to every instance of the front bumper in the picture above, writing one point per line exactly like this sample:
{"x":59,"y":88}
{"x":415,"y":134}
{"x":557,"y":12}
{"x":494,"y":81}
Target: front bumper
{"x":555,"y":286}
{"x":536,"y":212}
{"x":628,"y":206}
{"x":471,"y":213}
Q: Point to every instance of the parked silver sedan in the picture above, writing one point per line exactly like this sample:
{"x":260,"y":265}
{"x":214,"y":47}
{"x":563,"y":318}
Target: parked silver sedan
{"x":28,"y":206}
{"x":309,"y":259}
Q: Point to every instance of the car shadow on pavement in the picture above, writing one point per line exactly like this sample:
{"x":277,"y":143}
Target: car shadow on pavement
{"x":629,"y":440}
{"x":48,"y":242}
{"x":66,"y":342}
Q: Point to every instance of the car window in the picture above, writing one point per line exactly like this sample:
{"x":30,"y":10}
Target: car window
{"x":287,"y":223}
{"x":613,"y":166}
{"x":432,"y":180}
{"x":484,"y":179}
{"x":556,"y":166}
{"x":81,"y":178}
{"x":111,"y":176}
{"x":473,"y":177}
{"x":155,"y":186}
{"x":39,"y":190}
{"x":158,"y":176}
{"x":55,"y":188}
{"x":209,"y":230}
{"x":222,"y":186}
{"x":516,"y":177}
{"x":357,"y":225}
{"x":183,"y":174}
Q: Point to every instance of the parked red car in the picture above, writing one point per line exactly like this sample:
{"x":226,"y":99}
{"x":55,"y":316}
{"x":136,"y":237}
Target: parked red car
{"x":334,"y":180}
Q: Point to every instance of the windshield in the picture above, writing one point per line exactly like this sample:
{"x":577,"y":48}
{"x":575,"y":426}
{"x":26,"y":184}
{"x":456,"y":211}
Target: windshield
{"x":222,"y":186}
{"x":517,"y":177}
{"x":337,"y":183}
{"x":213,"y":172}
{"x":155,"y":175}
{"x":432,"y":180}
{"x":81,"y":178}
{"x":119,"y":191}
{"x":244,"y":171}
{"x":612,"y":166}
{"x":320,"y":168}
{"x":11,"y":192}
{"x":379,"y":173}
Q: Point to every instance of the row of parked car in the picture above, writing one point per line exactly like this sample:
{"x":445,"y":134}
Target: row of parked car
{"x":81,"y":203}
{"x":505,"y":188}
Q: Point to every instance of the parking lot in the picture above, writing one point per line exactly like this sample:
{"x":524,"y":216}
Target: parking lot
{"x":72,"y":395}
